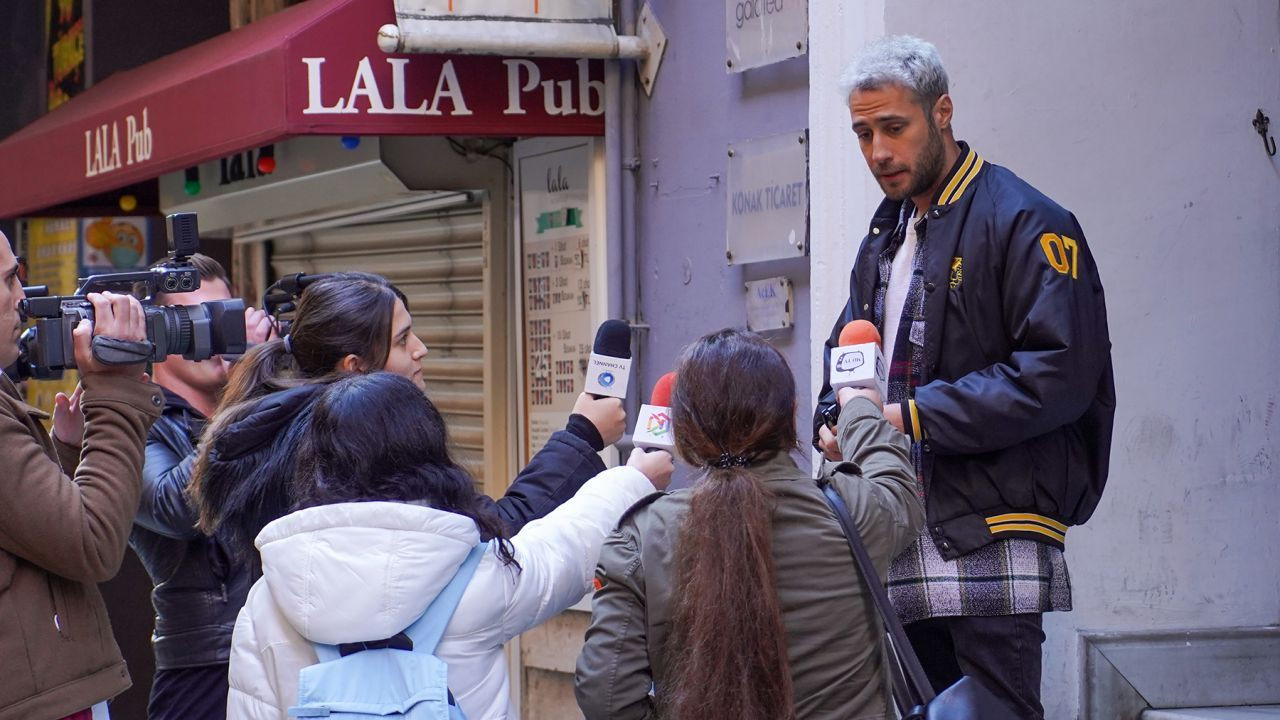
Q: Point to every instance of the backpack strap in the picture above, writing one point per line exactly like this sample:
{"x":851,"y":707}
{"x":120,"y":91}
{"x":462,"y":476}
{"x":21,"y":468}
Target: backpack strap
{"x":426,"y":631}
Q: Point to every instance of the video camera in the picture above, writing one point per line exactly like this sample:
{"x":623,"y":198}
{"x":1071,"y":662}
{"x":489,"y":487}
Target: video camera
{"x":281,"y":297}
{"x":197,"y":332}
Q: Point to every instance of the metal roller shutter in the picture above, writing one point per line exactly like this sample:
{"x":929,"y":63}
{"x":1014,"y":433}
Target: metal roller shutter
{"x":437,"y":259}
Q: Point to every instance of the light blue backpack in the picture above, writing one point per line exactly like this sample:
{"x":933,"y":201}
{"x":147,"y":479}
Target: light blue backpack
{"x":399,"y":677}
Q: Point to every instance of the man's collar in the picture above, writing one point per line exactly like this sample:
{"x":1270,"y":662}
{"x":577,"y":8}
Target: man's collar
{"x":174,"y":400}
{"x":965,"y":169}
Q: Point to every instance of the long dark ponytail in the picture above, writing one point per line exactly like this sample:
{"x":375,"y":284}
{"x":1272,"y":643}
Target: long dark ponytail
{"x":733,"y":405}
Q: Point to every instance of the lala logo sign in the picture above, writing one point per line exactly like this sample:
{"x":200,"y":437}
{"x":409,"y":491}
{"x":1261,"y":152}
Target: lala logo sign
{"x":606,"y":379}
{"x":102,"y":146}
{"x":850,"y":360}
{"x":581,"y":95}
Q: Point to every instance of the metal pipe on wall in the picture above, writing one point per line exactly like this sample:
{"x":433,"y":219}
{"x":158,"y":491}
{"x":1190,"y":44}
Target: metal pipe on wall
{"x":613,"y":185}
{"x":629,"y":166}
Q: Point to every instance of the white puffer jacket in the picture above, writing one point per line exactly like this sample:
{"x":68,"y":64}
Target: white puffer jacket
{"x":365,"y":571}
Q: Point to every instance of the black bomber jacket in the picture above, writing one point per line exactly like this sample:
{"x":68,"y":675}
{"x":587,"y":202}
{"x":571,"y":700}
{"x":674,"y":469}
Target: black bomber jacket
{"x":1016,"y":402}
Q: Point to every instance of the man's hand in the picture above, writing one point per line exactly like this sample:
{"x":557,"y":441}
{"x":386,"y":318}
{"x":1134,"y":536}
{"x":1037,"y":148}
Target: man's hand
{"x":68,"y":418}
{"x":114,"y":316}
{"x":893,"y":413}
{"x":258,"y":327}
{"x":655,"y":464}
{"x":606,"y":414}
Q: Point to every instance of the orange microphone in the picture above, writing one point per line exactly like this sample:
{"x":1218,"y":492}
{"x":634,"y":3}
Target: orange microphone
{"x":653,"y":425}
{"x":859,"y":332}
{"x":858,"y":361}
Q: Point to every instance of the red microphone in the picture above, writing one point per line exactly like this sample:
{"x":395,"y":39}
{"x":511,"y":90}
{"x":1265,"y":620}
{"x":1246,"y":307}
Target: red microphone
{"x":858,"y":361}
{"x":653,"y":425}
{"x":662,"y":390}
{"x":859,"y":332}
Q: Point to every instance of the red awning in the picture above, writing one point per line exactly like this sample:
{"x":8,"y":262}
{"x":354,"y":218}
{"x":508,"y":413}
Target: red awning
{"x":313,"y":69}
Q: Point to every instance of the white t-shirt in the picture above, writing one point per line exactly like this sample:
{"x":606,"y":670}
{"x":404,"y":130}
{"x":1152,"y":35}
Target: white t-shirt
{"x":895,"y":297}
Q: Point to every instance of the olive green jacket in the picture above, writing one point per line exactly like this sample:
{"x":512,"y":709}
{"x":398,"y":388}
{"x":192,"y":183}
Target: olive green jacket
{"x":833,"y":633}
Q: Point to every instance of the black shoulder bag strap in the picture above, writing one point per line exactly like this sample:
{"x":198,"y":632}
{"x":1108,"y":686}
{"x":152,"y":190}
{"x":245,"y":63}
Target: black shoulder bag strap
{"x":911,"y":685}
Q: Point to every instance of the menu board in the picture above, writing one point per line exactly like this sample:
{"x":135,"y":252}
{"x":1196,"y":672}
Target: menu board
{"x":556,"y":285}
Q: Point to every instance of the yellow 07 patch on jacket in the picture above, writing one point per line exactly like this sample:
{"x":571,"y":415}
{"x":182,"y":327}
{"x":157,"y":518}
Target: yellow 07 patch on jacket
{"x":1062,"y":252}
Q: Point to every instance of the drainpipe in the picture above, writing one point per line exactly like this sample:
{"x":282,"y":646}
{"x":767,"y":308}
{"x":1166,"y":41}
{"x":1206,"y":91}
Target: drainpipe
{"x":630,"y":216}
{"x":614,"y":305}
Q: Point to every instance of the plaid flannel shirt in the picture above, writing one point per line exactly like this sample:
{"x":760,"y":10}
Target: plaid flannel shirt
{"x":1007,"y":577}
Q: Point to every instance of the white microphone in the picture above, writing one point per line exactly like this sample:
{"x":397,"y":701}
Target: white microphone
{"x":653,"y":426}
{"x":609,"y":367}
{"x":858,"y":361}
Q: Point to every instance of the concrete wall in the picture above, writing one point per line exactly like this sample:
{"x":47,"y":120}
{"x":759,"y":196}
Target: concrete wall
{"x":697,"y":110}
{"x":1136,"y":116}
{"x":22,"y":64}
{"x":128,"y":33}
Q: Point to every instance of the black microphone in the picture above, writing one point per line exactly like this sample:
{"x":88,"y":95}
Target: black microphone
{"x":609,"y":368}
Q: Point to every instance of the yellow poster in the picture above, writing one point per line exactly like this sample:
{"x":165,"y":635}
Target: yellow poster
{"x":52,"y":244}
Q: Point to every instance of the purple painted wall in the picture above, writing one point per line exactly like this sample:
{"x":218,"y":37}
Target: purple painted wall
{"x":696,"y":111}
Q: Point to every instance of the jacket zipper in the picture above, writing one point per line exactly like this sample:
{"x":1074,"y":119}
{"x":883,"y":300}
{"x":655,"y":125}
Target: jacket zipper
{"x":53,"y":602}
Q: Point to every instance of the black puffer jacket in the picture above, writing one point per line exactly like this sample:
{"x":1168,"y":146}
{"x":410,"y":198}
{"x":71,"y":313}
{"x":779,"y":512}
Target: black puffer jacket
{"x":1016,"y":401}
{"x":201,"y":585}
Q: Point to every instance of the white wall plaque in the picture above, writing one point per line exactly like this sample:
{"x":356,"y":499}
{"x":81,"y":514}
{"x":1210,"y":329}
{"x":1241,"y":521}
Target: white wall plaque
{"x":768,"y":199}
{"x":555,"y":232}
{"x":760,"y":32}
{"x":769,"y":304}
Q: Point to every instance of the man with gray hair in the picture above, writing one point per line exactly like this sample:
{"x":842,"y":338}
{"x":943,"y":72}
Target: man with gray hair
{"x":995,"y":332}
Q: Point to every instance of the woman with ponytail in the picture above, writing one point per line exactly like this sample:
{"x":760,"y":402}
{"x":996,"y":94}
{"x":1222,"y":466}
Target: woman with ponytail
{"x":738,"y":599}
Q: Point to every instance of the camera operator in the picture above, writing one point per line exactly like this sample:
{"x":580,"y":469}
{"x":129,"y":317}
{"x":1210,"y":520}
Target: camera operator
{"x":66,"y":505}
{"x":198,"y":589}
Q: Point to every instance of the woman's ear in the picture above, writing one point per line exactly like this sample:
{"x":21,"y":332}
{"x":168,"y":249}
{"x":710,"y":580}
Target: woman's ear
{"x":351,"y":364}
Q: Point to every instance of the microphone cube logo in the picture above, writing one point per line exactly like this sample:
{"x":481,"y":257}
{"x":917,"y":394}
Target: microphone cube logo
{"x":850,"y":360}
{"x":658,"y":424}
{"x":606,"y":379}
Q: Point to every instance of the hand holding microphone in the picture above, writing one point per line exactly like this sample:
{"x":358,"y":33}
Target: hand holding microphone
{"x":857,"y":370}
{"x":653,"y":436}
{"x":605,"y":413}
{"x":656,"y":465}
{"x":608,"y":375}
{"x":858,"y":361}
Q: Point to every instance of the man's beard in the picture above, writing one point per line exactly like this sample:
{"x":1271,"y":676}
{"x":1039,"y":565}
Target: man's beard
{"x":928,"y":165}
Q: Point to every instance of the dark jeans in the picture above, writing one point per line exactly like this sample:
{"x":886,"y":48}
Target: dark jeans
{"x":1002,"y":653}
{"x":198,"y":693}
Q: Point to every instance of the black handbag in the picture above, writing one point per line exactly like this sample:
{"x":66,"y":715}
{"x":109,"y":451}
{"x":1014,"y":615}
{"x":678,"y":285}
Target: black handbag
{"x":967,"y":699}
